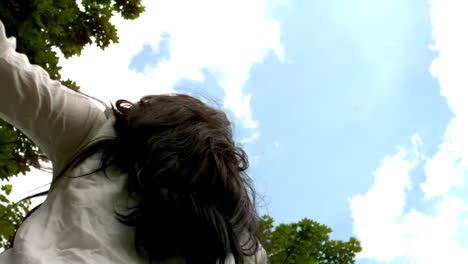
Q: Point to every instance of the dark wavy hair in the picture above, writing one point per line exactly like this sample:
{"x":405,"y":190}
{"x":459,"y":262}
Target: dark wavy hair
{"x":195,"y":198}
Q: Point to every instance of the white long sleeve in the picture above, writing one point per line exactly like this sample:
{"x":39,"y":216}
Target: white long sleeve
{"x":56,"y":118}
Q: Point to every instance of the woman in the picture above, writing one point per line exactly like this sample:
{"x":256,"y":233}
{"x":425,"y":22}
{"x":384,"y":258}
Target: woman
{"x":158,"y":181}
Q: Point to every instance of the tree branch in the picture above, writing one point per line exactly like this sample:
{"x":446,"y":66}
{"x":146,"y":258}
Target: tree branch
{"x":7,"y":143}
{"x":21,"y":158}
{"x":289,"y":254}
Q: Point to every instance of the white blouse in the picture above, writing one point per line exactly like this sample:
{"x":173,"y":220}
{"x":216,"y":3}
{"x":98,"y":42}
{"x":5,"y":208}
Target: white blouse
{"x":76,"y":223}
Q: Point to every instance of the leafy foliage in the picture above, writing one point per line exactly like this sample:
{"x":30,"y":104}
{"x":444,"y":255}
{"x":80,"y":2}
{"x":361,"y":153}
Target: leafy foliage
{"x":40,"y":26}
{"x":11,"y":215}
{"x":17,"y":154}
{"x":305,"y":242}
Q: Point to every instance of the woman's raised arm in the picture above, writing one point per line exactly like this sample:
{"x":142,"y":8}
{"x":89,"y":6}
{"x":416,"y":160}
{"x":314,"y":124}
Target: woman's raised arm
{"x":56,"y":118}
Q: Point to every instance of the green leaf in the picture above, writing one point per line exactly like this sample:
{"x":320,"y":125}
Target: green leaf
{"x":7,"y":188}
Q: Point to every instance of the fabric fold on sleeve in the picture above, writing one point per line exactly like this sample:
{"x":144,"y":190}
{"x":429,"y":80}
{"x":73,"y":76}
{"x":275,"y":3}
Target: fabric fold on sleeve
{"x":5,"y":43}
{"x":58,"y":119}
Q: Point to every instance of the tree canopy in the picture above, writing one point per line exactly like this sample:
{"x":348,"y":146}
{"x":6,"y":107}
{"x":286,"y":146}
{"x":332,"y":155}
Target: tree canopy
{"x":305,"y":242}
{"x":40,"y":26}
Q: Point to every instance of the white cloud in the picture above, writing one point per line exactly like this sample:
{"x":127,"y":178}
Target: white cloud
{"x":224,"y":37}
{"x":375,"y":214}
{"x":250,"y":139}
{"x":449,"y":165}
{"x":386,"y":232}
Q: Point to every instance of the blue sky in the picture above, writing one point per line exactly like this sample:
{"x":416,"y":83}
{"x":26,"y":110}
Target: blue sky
{"x":352,"y":112}
{"x":349,"y":98}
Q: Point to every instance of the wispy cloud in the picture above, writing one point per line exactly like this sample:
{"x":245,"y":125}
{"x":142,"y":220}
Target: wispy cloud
{"x":224,"y":37}
{"x":250,"y":139}
{"x":385,"y":230}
